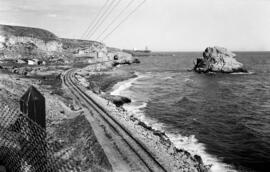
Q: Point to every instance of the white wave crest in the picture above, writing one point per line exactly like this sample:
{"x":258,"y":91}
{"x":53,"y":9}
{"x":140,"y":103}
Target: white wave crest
{"x":243,"y":73}
{"x":189,"y":144}
{"x":124,"y":85}
{"x":192,"y":145}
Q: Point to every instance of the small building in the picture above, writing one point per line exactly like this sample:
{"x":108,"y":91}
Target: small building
{"x":100,"y":54}
{"x":20,"y":61}
{"x":35,"y":62}
{"x":31,"y":62}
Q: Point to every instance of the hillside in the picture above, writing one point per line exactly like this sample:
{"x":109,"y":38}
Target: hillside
{"x":27,"y":43}
{"x":82,"y":47}
{"x":18,"y":42}
{"x":77,"y":43}
{"x":20,"y":31}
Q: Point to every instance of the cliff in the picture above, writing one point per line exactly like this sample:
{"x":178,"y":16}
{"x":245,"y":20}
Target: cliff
{"x":12,"y":36}
{"x":17,"y":42}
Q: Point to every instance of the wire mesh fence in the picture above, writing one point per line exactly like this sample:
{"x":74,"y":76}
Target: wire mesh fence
{"x":25,"y":147}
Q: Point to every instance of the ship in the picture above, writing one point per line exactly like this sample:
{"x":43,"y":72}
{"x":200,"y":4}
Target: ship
{"x":139,"y":53}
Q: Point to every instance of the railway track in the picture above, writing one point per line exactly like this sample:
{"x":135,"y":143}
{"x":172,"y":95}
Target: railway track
{"x":147,"y":161}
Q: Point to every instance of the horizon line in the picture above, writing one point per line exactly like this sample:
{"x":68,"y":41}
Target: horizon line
{"x":164,"y":51}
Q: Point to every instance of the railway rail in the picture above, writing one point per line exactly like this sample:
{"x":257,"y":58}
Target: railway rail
{"x":147,"y":160}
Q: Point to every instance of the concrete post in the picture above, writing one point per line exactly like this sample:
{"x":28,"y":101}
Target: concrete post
{"x":32,"y":104}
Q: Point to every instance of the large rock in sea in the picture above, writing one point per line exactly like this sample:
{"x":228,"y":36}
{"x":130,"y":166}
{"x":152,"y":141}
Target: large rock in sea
{"x":218,"y":59}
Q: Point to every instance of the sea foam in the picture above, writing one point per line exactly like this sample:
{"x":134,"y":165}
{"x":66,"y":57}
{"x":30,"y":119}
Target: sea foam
{"x":190,"y":144}
{"x":123,"y":85}
{"x":243,"y":73}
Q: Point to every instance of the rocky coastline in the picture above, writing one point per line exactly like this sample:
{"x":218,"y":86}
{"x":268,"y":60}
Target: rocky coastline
{"x":18,"y":44}
{"x":157,"y":141}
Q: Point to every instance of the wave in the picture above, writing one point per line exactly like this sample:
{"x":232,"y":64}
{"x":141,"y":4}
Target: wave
{"x":123,"y":85}
{"x":167,"y":78}
{"x":190,"y":144}
{"x":137,"y":110}
{"x":243,"y":73}
{"x":194,"y":147}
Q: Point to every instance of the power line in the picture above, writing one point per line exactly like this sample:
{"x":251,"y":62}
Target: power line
{"x":105,"y":18}
{"x":115,"y":19}
{"x":122,"y":21}
{"x":99,"y":18}
{"x":96,"y":17}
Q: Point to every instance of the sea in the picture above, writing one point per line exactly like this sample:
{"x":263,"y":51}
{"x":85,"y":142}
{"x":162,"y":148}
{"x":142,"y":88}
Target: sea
{"x":224,"y":118}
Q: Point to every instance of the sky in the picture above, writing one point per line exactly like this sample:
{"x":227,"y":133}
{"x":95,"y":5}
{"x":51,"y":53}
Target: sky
{"x":162,"y":25}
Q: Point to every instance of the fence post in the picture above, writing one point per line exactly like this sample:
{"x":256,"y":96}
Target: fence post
{"x":32,"y":104}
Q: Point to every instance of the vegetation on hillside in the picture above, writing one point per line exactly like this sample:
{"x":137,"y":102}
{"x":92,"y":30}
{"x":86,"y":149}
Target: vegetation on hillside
{"x":77,"y":43}
{"x":21,"y":31}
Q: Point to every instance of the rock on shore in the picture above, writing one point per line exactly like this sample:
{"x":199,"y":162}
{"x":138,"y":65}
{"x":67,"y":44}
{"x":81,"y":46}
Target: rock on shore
{"x":124,"y":58}
{"x":117,"y":100}
{"x":218,"y":59}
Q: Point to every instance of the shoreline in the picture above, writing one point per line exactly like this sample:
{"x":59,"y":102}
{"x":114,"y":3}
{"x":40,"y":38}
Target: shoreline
{"x":155,"y":140}
{"x":188,"y":143}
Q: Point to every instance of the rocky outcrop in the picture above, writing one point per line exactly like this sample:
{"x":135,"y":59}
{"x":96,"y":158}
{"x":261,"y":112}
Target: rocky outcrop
{"x":17,"y":42}
{"x":85,"y":48}
{"x":17,"y":37}
{"x":12,"y":41}
{"x":117,"y":100}
{"x":218,"y":59}
{"x":123,"y":58}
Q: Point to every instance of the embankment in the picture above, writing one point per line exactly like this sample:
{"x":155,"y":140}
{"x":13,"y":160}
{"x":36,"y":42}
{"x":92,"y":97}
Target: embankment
{"x":67,"y":128}
{"x":156,"y":141}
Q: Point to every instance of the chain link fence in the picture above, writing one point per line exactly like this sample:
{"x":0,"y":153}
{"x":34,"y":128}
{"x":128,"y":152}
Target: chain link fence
{"x":25,"y":147}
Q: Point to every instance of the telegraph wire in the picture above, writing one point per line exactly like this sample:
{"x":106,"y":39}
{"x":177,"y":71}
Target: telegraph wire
{"x":105,"y":18}
{"x":95,"y":19}
{"x":115,"y":19}
{"x":99,"y":18}
{"x":122,"y":21}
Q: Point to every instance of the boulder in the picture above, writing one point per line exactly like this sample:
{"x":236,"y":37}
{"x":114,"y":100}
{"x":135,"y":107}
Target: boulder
{"x":136,"y":60}
{"x":118,"y":100}
{"x":123,"y":58}
{"x":218,"y":59}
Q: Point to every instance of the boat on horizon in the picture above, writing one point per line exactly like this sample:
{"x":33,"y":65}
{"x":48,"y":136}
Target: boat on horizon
{"x":139,"y":53}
